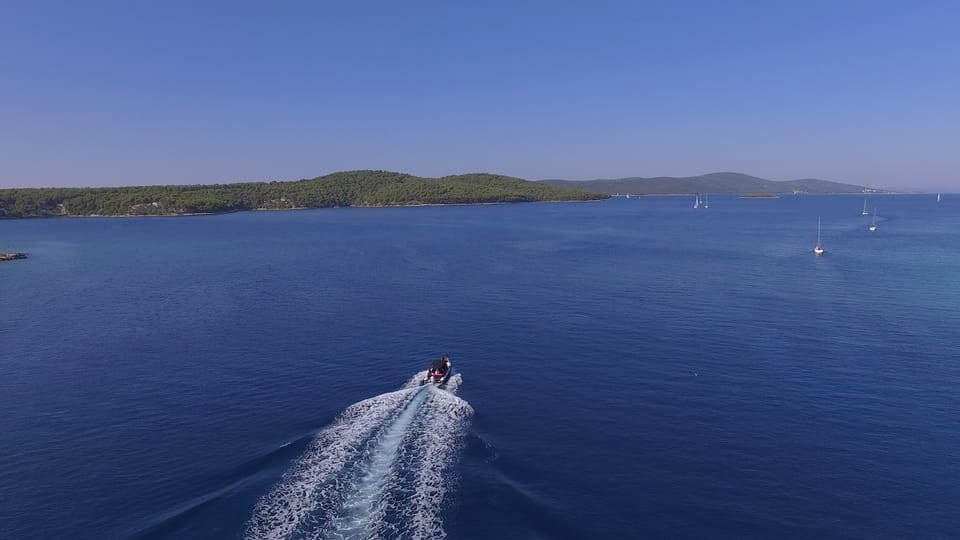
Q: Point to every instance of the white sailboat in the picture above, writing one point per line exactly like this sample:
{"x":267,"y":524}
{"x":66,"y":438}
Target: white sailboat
{"x":938,"y":197}
{"x":696,"y":201}
{"x":873,"y":225}
{"x":706,"y":200}
{"x":819,"y":249}
{"x":864,"y":213}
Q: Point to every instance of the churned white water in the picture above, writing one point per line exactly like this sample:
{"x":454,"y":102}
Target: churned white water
{"x":381,"y":470}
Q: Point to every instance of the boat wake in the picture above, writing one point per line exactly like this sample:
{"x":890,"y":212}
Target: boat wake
{"x":381,"y":470}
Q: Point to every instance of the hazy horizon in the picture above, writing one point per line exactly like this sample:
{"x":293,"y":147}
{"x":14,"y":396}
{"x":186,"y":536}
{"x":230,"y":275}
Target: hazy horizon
{"x":184,"y":93}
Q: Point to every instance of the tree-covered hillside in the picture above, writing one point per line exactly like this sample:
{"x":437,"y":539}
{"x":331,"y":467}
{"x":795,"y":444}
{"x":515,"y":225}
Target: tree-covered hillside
{"x":724,"y":182}
{"x":353,"y":188}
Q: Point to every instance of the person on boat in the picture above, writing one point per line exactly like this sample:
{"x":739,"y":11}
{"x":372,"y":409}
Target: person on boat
{"x":440,"y":365}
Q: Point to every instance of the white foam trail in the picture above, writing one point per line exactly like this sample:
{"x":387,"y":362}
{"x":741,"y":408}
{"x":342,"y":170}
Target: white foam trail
{"x":416,"y":380}
{"x":362,"y":504}
{"x":453,"y":384}
{"x":380,"y":470}
{"x":445,"y":417}
{"x":311,"y":485}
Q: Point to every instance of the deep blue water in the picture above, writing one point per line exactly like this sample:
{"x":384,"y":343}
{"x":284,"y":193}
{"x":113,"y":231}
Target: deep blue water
{"x":630,"y":369}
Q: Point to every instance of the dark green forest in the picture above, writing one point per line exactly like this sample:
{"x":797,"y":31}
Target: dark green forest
{"x":353,"y":188}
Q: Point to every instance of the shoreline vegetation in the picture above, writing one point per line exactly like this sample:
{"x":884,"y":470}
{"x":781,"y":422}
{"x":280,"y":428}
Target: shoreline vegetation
{"x":373,"y":189}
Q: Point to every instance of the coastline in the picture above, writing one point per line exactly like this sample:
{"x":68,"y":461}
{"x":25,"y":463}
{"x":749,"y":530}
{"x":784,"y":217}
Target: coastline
{"x":136,"y":215}
{"x":417,"y":205}
{"x":197,"y":214}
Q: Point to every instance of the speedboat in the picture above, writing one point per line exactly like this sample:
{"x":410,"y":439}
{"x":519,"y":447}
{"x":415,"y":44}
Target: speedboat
{"x":439,"y":371}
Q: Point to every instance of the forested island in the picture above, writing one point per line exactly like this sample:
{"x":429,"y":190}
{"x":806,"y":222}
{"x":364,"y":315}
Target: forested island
{"x":353,"y":188}
{"x":721,"y":182}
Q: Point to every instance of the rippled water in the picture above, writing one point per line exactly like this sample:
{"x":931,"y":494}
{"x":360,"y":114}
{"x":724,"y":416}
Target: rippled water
{"x":630,"y":369}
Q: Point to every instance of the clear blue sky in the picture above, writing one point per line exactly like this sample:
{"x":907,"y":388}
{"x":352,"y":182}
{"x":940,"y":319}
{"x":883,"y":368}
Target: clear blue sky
{"x":136,"y":92}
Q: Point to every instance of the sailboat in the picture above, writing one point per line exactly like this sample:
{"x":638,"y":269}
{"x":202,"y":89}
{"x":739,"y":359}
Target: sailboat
{"x":696,"y":202}
{"x":938,"y":197}
{"x":706,"y":200}
{"x":864,"y":213}
{"x":873,"y":226}
{"x":819,"y":249}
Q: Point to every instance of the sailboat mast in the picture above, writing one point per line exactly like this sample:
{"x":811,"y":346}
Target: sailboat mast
{"x":819,"y":249}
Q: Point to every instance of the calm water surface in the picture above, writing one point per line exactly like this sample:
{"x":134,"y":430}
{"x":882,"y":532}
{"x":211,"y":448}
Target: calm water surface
{"x":628,"y":369}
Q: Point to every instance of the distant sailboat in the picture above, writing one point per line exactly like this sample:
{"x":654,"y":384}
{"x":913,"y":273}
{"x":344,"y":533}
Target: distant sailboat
{"x":873,"y":226}
{"x":706,"y":200}
{"x":864,"y":213}
{"x":938,"y":197}
{"x":819,"y":249}
{"x":696,"y":202}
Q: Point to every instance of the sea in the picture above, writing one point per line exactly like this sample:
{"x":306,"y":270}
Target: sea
{"x":631,"y":368}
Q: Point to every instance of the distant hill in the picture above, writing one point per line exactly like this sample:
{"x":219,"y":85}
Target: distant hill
{"x":351,"y":188}
{"x":722,"y":182}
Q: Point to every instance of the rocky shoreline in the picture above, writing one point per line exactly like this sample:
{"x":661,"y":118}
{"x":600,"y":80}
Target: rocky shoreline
{"x":12,"y":256}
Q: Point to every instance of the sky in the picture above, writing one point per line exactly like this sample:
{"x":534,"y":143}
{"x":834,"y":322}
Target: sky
{"x":135,"y":92}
